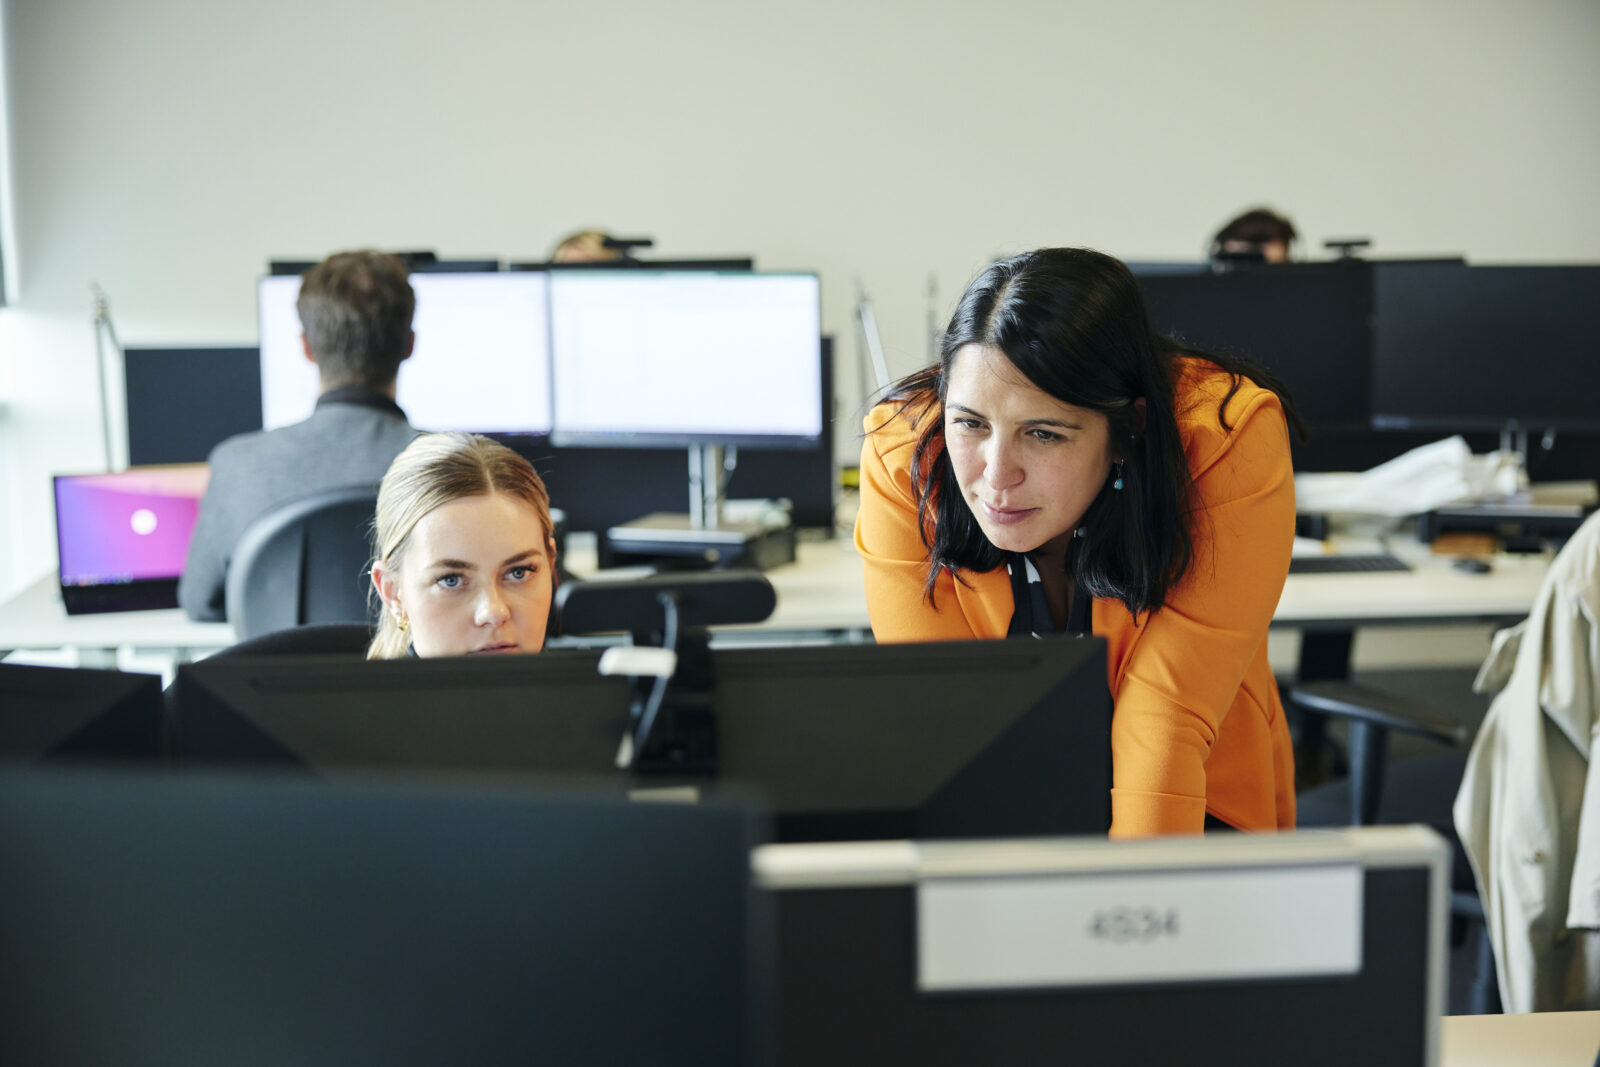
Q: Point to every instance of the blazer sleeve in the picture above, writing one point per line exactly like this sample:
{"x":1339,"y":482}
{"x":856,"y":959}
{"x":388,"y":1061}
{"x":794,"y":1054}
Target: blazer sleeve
{"x":205,"y":570}
{"x":1186,"y":669}
{"x":889,"y":538}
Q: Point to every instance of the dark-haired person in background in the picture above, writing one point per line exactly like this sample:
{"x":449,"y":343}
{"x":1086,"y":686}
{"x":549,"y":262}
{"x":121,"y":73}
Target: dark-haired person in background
{"x":355,"y":313}
{"x":1258,"y":234}
{"x":1065,"y":469}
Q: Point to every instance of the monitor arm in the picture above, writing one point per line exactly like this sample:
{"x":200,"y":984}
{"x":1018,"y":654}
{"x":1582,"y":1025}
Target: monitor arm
{"x":673,"y":726}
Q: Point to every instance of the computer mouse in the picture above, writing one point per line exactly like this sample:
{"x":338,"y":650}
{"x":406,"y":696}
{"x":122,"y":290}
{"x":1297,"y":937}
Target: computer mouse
{"x":1473,"y":565}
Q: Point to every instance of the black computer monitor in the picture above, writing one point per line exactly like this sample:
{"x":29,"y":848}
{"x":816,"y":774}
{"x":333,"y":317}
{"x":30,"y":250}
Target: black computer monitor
{"x":189,"y":922}
{"x":455,"y":266}
{"x":971,"y":739}
{"x":1317,"y":950}
{"x":727,"y":263}
{"x":60,"y":713}
{"x":218,"y":391}
{"x":1477,"y":348}
{"x":1308,"y":323}
{"x":413,"y":260}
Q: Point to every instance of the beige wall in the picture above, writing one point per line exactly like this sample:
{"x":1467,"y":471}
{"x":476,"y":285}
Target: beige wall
{"x":166,"y":148}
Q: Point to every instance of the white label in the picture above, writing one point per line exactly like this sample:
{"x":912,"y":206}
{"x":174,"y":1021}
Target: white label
{"x":1111,"y":929}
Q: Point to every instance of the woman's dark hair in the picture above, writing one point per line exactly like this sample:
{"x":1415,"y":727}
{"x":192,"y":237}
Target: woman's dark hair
{"x":1073,"y":322}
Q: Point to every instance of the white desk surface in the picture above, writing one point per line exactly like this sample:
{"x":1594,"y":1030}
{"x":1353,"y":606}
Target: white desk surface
{"x":823,"y":591}
{"x":1545,"y":1039}
{"x":35,"y":618}
{"x":1433,"y":591}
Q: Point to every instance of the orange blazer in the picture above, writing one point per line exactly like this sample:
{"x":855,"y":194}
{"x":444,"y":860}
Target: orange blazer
{"x":1198,"y":725}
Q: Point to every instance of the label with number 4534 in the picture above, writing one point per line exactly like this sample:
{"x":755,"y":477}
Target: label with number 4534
{"x":1147,"y":927}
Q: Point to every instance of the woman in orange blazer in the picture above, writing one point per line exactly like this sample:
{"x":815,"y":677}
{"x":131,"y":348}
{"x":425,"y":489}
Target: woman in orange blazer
{"x":1063,"y":468}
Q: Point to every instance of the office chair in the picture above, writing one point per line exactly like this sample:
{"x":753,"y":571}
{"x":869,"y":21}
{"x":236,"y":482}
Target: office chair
{"x":332,"y":639}
{"x":305,"y":562}
{"x":1417,"y":790}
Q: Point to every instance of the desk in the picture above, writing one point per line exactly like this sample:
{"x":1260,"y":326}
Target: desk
{"x":822,"y":595}
{"x":823,"y":590}
{"x":1544,"y":1039}
{"x":36,"y":619}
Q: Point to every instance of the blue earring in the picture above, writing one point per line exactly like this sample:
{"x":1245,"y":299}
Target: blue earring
{"x":1118,"y":483}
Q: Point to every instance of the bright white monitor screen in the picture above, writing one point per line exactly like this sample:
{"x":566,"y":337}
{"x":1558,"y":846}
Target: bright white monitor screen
{"x":679,"y":358}
{"x":481,"y":362}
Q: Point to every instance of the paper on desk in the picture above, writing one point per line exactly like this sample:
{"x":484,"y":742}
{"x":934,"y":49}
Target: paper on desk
{"x":1422,"y":479}
{"x":1306,"y":546}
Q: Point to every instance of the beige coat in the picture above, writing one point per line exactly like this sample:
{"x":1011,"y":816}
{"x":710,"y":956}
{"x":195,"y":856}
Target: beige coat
{"x":1529,"y":807}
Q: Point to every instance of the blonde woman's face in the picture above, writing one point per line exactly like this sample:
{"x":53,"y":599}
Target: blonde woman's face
{"x":476,"y":578}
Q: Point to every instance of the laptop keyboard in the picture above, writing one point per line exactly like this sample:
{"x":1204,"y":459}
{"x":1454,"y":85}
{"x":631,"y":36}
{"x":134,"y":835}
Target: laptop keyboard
{"x":1345,"y":564}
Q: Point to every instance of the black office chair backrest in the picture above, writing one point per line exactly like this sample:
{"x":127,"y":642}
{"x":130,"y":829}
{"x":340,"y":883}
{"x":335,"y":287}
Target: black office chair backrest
{"x":318,"y":639}
{"x":305,"y":562}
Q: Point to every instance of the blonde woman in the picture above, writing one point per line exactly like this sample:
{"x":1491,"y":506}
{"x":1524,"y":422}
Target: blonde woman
{"x":465,"y":558}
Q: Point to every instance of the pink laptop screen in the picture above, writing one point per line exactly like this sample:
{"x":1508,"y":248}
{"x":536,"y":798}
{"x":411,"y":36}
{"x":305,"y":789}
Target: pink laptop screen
{"x":131,"y":525}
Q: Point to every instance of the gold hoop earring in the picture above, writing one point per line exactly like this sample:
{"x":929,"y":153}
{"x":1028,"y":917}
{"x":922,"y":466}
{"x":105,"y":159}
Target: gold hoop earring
{"x":402,"y":622}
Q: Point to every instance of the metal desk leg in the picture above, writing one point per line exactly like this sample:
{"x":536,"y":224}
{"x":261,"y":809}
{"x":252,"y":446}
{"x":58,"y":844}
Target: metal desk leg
{"x":1324,"y":656}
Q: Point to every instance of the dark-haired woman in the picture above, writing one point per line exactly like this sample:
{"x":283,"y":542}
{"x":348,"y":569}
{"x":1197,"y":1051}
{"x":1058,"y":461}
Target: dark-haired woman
{"x":1065,"y":469}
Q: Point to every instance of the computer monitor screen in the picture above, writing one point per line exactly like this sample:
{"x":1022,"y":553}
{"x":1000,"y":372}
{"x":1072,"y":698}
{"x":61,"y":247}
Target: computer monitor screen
{"x":976,"y":739}
{"x":1320,"y":950}
{"x":218,"y":390}
{"x":1307,"y":323}
{"x":122,"y":537}
{"x":481,"y":361}
{"x":673,"y":359}
{"x":730,"y":263}
{"x":50,"y":713}
{"x":193,"y":921}
{"x":1474,"y":348}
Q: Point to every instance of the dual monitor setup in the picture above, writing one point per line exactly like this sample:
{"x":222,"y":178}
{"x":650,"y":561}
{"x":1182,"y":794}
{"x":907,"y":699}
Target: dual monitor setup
{"x":858,"y":742}
{"x":696,"y":360}
{"x":594,"y":357}
{"x":1435,"y":346}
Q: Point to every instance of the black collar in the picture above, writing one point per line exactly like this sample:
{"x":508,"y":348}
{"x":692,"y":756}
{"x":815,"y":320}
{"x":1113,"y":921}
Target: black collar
{"x":1030,"y":613}
{"x":360,"y":395}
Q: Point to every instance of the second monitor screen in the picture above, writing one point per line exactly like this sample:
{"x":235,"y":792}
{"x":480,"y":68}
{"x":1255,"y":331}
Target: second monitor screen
{"x":682,"y":358}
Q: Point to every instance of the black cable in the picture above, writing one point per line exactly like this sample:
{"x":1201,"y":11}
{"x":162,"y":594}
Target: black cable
{"x":658,"y":691}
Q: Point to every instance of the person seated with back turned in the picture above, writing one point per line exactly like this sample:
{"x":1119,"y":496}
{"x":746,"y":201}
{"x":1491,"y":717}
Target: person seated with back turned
{"x":1258,"y":235}
{"x":355,"y":316}
{"x":584,"y":246}
{"x":1065,"y":469}
{"x":464,"y":558}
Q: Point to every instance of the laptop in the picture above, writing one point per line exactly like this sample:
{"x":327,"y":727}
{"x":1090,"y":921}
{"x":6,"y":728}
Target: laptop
{"x":122,"y":538}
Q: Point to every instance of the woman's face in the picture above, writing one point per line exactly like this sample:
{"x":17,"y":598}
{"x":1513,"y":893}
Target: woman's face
{"x":1028,"y":464}
{"x":476,"y":578}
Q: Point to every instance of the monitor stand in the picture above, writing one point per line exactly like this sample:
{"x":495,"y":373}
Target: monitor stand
{"x":702,"y":539}
{"x":1519,"y":521}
